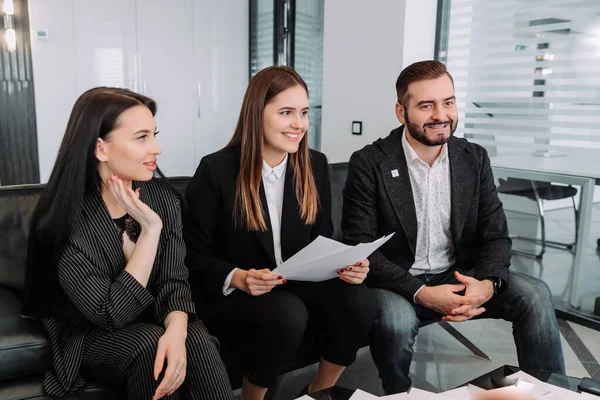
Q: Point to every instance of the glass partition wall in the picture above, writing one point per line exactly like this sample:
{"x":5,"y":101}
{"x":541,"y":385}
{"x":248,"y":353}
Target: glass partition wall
{"x":290,"y":32}
{"x":527,"y":81}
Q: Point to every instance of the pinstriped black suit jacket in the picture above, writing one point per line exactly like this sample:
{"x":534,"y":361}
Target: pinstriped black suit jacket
{"x":97,"y":293}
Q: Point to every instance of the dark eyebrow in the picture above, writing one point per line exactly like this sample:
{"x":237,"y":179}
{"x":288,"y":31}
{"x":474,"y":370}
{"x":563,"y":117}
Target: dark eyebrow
{"x":144,"y":131}
{"x":423,"y":102}
{"x":291,"y":108}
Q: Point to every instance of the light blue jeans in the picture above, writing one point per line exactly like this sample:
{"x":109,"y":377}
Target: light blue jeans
{"x":526,"y":302}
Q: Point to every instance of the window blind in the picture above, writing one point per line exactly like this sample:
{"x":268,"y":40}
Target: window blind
{"x":526,"y":72}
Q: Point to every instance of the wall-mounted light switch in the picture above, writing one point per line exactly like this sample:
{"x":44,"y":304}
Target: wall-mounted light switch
{"x":357,"y":127}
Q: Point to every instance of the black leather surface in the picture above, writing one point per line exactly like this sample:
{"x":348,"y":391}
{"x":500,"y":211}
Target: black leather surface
{"x":23,"y":346}
{"x":31,"y":387}
{"x":338,"y":180}
{"x":16,"y":206}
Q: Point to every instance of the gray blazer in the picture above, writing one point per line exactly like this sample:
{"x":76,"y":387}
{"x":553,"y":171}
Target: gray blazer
{"x":377,"y":203}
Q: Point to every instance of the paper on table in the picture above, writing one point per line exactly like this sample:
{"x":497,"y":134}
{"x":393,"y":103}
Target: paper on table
{"x":419,"y":394}
{"x":321,"y":259}
{"x":400,"y":396}
{"x":543,"y":390}
{"x":305,"y":397}
{"x":463,"y":392}
{"x":360,"y":395}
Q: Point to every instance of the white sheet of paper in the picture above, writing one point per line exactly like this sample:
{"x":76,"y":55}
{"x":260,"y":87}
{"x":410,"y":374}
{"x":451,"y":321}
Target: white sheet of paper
{"x":420,"y":394}
{"x":400,"y":396}
{"x":361,"y":395}
{"x":305,"y":397}
{"x":321,"y":259}
{"x":542,"y":390}
{"x":321,"y":245}
{"x":462,"y":393}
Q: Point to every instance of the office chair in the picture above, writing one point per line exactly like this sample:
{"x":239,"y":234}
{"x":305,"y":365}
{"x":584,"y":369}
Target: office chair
{"x":538,"y":191}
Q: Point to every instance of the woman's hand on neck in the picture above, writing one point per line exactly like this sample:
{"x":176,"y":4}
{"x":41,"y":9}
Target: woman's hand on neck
{"x":114,"y":208}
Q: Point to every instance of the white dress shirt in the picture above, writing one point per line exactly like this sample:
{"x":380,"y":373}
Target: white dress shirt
{"x":434,"y":252}
{"x":273,"y":181}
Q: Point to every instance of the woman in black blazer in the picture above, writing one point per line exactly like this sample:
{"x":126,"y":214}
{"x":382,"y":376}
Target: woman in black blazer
{"x":106,"y":271}
{"x":253,"y":205}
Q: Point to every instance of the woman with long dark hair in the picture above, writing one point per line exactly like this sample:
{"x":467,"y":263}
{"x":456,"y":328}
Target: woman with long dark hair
{"x":253,"y":205}
{"x":106,"y":273}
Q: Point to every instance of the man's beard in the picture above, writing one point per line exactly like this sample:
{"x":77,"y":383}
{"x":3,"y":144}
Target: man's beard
{"x":419,"y":133}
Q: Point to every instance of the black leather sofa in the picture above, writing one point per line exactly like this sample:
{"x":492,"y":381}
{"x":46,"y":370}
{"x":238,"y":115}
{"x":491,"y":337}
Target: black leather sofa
{"x":24,"y":351}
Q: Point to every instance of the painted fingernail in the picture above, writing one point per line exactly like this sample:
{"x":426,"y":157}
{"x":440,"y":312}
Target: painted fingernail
{"x":359,"y":264}
{"x":280,"y":277}
{"x":285,"y":281}
{"x":349,"y":268}
{"x":339,"y":271}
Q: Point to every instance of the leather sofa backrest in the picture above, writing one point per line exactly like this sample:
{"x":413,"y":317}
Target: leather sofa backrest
{"x":16,"y":208}
{"x":338,"y":179}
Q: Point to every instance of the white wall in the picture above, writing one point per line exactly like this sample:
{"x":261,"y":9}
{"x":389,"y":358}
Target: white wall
{"x":88,"y":47}
{"x":366,"y":45}
{"x":54,"y":74}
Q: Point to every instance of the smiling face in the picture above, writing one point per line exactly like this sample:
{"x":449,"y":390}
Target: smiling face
{"x":130,"y":150}
{"x":285,"y":122}
{"x":431,"y":115}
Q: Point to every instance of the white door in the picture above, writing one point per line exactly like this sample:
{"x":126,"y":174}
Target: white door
{"x":165,"y":61}
{"x":105,"y":44}
{"x":221,"y":70}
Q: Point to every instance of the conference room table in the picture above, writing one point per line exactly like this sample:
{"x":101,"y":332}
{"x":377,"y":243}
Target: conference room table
{"x":571,"y":166}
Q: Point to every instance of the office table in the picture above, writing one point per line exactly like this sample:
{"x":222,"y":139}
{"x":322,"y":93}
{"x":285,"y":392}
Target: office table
{"x":578,"y":167}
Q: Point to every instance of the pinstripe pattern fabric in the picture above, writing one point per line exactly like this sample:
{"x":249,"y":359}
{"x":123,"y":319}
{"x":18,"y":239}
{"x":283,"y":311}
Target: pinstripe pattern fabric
{"x":100,"y":298}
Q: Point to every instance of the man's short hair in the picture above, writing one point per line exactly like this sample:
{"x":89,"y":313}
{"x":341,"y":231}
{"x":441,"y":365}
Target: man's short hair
{"x":419,"y":71}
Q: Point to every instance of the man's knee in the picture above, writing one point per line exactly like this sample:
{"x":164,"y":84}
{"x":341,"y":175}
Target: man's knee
{"x":397,"y":316}
{"x":531,"y":291}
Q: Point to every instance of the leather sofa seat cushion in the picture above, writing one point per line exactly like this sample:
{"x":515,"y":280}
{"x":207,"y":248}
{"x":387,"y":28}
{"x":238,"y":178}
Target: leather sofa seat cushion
{"x":24,"y":349}
{"x":32,"y":387}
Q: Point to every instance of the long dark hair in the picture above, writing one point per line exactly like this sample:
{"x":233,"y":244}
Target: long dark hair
{"x":249,"y":135}
{"x":74,"y":175}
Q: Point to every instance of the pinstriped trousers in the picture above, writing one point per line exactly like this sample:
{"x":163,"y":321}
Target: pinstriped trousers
{"x":127,"y":357}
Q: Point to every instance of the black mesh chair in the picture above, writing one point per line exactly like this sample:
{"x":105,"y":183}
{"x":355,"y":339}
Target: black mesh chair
{"x":538,"y":191}
{"x":338,"y":180}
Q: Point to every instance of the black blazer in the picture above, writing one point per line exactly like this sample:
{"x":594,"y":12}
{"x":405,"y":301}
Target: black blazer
{"x":96,"y":292}
{"x":377,"y":203}
{"x":215,"y":245}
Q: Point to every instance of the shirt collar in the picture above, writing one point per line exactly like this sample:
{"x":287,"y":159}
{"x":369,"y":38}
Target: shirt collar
{"x":411,"y":154}
{"x":278,"y":170}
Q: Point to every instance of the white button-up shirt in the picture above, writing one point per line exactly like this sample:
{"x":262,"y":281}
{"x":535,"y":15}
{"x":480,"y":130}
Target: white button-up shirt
{"x":273,"y":181}
{"x":434,"y":252}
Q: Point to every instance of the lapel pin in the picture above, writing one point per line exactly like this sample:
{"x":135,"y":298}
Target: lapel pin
{"x":395,"y":173}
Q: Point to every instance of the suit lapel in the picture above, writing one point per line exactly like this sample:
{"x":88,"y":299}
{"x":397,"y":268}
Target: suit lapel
{"x":462,"y":184}
{"x":104,"y":233}
{"x":291,"y":222}
{"x":396,"y":180}
{"x":266,"y":238}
